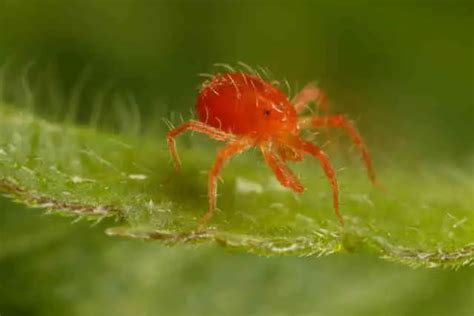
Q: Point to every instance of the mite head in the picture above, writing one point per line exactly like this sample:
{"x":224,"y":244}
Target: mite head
{"x":275,"y":117}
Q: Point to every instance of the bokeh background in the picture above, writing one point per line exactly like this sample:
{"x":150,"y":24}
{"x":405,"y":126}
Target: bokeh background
{"x":403,"y":69}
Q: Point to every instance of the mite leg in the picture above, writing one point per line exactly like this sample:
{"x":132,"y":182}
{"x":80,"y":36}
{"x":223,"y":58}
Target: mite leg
{"x":197,"y":127}
{"x":340,"y":121}
{"x":284,"y":175}
{"x":310,"y":93}
{"x":233,"y":148}
{"x":323,"y":158}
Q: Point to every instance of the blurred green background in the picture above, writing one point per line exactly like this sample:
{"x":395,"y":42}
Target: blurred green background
{"x":404,"y":70}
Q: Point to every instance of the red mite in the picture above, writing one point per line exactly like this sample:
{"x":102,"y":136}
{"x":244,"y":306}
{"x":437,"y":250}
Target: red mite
{"x":246,"y":111}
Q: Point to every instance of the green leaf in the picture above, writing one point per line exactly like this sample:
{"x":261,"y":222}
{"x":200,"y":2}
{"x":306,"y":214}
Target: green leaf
{"x":424,"y":219}
{"x":49,"y":266}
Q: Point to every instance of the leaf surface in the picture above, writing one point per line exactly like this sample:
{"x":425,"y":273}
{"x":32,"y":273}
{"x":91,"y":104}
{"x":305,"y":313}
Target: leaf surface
{"x":425,"y":218}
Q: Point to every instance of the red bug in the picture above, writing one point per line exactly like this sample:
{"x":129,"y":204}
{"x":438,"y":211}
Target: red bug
{"x":246,"y":111}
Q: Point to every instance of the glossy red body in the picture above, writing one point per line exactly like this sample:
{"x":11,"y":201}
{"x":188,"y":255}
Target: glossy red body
{"x":244,"y":104}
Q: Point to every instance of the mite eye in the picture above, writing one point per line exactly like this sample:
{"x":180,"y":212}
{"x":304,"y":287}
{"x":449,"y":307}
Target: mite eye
{"x":266,"y":113}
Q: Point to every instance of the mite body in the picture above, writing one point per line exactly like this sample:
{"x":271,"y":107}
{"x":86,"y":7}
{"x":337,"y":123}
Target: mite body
{"x":246,"y":111}
{"x":245,"y":105}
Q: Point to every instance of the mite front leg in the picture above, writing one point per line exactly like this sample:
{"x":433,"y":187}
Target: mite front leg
{"x":232,"y":149}
{"x":284,"y":175}
{"x":310,"y":93}
{"x":323,"y":158}
{"x":340,"y":121}
{"x":197,"y":127}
